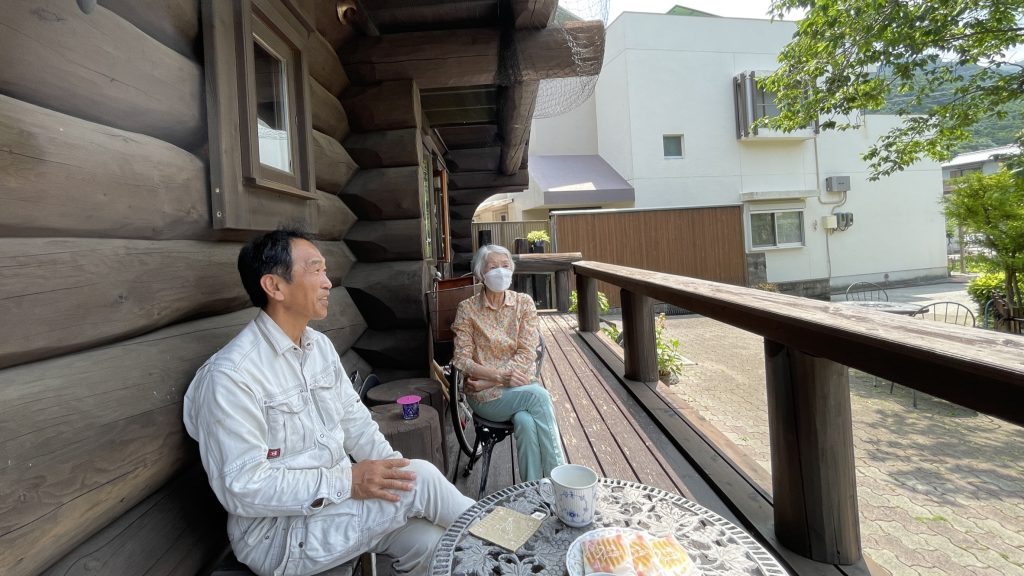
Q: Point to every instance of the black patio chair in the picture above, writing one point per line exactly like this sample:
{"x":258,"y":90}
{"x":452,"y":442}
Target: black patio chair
{"x":866,"y":291}
{"x":947,"y":313}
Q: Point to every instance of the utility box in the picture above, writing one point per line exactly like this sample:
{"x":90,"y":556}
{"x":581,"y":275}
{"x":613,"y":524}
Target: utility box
{"x":837,"y":184}
{"x":829,"y":222}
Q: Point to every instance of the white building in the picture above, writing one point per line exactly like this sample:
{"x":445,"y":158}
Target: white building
{"x":665,"y":117}
{"x":987,"y":161}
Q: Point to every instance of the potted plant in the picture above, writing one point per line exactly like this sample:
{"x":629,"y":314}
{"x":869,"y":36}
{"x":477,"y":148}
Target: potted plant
{"x":537,"y":239}
{"x":670,"y":361}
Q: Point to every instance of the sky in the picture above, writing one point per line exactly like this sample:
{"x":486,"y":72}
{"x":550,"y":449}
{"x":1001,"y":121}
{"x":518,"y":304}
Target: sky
{"x":732,"y":8}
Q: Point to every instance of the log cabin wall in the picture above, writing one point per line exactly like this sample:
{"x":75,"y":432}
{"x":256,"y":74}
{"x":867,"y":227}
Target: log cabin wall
{"x":114,"y":287}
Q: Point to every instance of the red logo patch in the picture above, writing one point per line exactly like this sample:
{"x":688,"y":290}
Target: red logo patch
{"x":273,"y":453}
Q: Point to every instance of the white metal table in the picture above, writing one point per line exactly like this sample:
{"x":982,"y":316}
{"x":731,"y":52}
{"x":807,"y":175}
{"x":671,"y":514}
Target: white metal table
{"x":716,"y":546}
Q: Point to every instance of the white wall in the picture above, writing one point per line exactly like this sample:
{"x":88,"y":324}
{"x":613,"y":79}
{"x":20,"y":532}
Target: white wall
{"x":572,"y":133}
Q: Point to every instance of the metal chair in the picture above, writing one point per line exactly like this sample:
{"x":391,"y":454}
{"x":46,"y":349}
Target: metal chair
{"x":947,"y":313}
{"x":862,"y":291}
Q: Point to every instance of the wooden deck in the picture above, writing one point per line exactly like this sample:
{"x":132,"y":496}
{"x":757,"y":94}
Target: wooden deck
{"x":599,"y":428}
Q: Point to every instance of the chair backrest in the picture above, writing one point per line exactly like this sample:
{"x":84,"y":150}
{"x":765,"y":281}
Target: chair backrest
{"x":947,"y":312}
{"x":443,"y":302}
{"x":862,"y":291}
{"x":541,"y":351}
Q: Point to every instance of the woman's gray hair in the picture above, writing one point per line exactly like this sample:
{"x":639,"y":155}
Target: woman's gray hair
{"x":480,"y":258}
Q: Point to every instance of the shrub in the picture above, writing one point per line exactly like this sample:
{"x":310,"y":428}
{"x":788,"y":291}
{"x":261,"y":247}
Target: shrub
{"x":602,"y":302}
{"x":536,"y":235}
{"x":767,"y":286}
{"x":670,"y":361}
{"x":981,"y":288}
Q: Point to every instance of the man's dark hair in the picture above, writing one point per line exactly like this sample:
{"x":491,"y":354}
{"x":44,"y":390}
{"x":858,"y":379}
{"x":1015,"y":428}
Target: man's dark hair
{"x":270,"y":253}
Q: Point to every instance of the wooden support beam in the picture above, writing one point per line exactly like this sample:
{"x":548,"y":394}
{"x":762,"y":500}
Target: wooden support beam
{"x":324,"y":65}
{"x":550,"y":262}
{"x":390,"y":294}
{"x":385,"y":148}
{"x":385,"y":193}
{"x":386,"y":240}
{"x":385,"y":106}
{"x":469,"y":137}
{"x":474,"y":159}
{"x":474,"y":196}
{"x":514,"y":120}
{"x":462,"y":180}
{"x":586,"y":304}
{"x":463,"y":212}
{"x":55,"y":56}
{"x":175,"y":23}
{"x":328,"y":115}
{"x":402,"y":15}
{"x":533,"y":13}
{"x":639,"y":351}
{"x":335,"y":21}
{"x":332,"y":164}
{"x":562,"y":290}
{"x":440,"y":59}
{"x":814,"y":485}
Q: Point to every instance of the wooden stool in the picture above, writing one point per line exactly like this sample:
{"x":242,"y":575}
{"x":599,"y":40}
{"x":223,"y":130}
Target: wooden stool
{"x":417,"y":438}
{"x":426,"y":388}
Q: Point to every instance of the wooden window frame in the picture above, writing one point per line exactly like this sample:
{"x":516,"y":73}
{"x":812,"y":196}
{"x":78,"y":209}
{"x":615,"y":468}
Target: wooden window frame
{"x":246,"y":194}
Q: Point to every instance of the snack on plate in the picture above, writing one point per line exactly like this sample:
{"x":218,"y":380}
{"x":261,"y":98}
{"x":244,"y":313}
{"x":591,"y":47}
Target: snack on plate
{"x":607,"y":554}
{"x":643,"y":556}
{"x":672,"y":557}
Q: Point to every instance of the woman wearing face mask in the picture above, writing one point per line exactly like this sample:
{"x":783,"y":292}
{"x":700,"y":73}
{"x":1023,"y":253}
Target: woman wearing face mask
{"x":496,"y":335}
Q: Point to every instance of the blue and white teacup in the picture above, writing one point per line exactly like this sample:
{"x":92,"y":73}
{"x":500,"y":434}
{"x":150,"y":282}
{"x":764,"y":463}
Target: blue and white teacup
{"x":572,"y":491}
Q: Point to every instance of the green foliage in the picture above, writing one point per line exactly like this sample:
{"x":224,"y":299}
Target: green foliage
{"x":602,"y":302}
{"x":613,"y":332}
{"x":767,"y":286}
{"x":849,"y":56}
{"x":992,"y":207}
{"x":536,"y":235}
{"x":670,"y":361}
{"x":981,"y":288}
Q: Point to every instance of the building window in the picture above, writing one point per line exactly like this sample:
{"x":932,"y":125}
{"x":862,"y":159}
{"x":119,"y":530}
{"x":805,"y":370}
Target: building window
{"x":779,"y":229}
{"x":261,"y":161}
{"x":752,"y":103}
{"x":672,"y":145}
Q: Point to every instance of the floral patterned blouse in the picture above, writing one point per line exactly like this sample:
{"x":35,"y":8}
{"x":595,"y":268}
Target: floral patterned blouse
{"x":500,"y":338}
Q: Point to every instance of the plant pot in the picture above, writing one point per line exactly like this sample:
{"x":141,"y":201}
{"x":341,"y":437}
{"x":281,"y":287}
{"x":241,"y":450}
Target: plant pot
{"x":537,"y":247}
{"x":668,"y":378}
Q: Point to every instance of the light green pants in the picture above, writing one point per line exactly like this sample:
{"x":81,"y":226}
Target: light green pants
{"x":538,"y":444}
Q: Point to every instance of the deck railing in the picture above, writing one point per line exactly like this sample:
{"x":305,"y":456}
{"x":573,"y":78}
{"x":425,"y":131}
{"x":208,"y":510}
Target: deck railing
{"x":808,"y":346}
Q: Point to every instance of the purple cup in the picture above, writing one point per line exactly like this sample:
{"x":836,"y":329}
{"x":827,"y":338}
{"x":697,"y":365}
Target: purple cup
{"x":410,"y":407}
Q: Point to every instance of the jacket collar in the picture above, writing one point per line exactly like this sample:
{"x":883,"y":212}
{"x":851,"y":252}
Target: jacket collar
{"x":276,"y":338}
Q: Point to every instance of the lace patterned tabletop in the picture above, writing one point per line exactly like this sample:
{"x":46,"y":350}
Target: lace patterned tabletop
{"x":716,"y":546}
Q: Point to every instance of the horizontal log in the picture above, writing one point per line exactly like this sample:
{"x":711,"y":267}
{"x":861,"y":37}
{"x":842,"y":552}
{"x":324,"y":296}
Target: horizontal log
{"x":474,"y":196}
{"x":386,"y":240}
{"x":69,"y":177}
{"x":336,"y":26}
{"x":390,"y":294}
{"x":397,"y":349}
{"x":462,"y":245}
{"x":333,"y":218}
{"x":461,"y":212}
{"x":324,"y":65}
{"x":459,"y":180}
{"x":515,"y":117}
{"x":440,"y":59}
{"x":533,"y":13}
{"x":328,"y":115}
{"x":473,"y":159}
{"x":54,"y":55}
{"x":384,"y":106}
{"x":385,"y":148}
{"x":177,"y":530}
{"x":538,"y":263}
{"x":175,"y":23}
{"x":87,"y":436}
{"x":429,"y":14}
{"x":70,"y":294}
{"x":333,"y":165}
{"x":352,"y":363}
{"x":385,"y":193}
{"x":344,"y":323}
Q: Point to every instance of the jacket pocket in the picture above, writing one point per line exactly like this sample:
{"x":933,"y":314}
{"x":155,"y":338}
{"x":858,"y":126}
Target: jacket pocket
{"x":289,"y":428}
{"x":327,"y":395}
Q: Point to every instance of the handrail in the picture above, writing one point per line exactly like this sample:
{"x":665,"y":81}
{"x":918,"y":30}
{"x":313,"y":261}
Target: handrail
{"x":550,"y":262}
{"x":978,"y":369}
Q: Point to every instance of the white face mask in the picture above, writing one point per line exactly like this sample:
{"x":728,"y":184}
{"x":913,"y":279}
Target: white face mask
{"x":498,"y":280}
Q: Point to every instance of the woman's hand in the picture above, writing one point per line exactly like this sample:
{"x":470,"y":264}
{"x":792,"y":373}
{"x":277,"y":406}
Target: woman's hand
{"x":518,"y":378}
{"x":477,"y":385}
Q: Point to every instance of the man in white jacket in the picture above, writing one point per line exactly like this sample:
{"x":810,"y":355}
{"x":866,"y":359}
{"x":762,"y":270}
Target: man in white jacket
{"x":276,"y":420}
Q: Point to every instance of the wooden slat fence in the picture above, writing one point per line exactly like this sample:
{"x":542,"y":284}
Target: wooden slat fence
{"x":704,"y":243}
{"x":505,"y":233}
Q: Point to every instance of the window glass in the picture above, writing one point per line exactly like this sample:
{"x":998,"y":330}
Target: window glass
{"x":272,"y":109}
{"x":673,"y":146}
{"x":762,"y":229}
{"x":790,"y":227}
{"x":764,"y":104}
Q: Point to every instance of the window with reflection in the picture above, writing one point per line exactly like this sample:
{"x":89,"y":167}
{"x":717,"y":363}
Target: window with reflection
{"x":779,"y":229}
{"x":271,"y":108}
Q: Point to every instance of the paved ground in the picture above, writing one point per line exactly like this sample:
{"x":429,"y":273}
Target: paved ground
{"x":941,"y":488}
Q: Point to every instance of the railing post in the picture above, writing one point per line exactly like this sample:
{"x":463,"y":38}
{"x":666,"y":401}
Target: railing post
{"x":586,"y":303}
{"x":562,"y":290}
{"x":813,"y":476}
{"x":639,"y":346}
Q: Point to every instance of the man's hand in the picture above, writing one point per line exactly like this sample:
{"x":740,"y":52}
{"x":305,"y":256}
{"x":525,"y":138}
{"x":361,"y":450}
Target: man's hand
{"x":381,"y":479}
{"x":518,"y":378}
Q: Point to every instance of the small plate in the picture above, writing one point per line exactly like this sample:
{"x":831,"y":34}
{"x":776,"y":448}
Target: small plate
{"x":574,"y":557}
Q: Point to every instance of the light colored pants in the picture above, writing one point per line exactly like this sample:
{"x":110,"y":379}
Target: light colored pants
{"x":538,"y":444}
{"x":407,"y":530}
